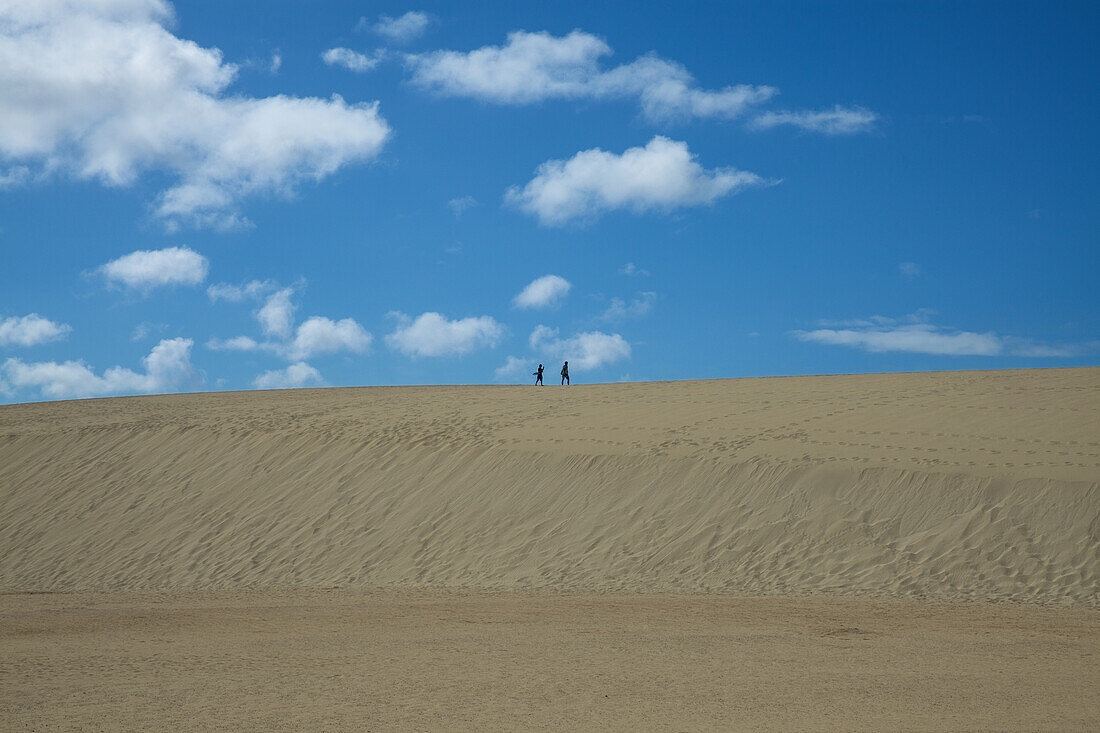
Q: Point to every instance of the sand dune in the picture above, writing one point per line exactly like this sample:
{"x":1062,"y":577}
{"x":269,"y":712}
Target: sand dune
{"x":953,"y":486}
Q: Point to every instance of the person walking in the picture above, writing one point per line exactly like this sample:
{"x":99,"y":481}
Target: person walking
{"x":538,"y":376}
{"x":565,"y":373}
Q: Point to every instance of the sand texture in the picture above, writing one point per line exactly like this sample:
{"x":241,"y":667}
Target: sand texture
{"x":952,"y":486}
{"x":428,"y":660}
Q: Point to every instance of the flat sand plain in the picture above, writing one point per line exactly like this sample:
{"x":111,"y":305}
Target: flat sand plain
{"x":535,"y":660}
{"x":901,"y":551}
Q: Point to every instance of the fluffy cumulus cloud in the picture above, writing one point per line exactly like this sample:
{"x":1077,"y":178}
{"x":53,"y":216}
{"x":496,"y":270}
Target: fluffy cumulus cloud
{"x":513,"y":368}
{"x":433,"y":334}
{"x":295,"y":375}
{"x":532,"y":67}
{"x":583,"y":351}
{"x":352,"y":60}
{"x":914,"y":334}
{"x":31,"y":330}
{"x":836,"y":121}
{"x":404,"y":28}
{"x":147,"y":269}
{"x":544,"y":292}
{"x":102,"y":90}
{"x":661,"y":176}
{"x":319,"y":335}
{"x":276,"y":316}
{"x":167,"y":369}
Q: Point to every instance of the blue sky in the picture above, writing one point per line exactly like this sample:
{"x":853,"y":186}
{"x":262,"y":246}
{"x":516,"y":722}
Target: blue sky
{"x":208,"y":196}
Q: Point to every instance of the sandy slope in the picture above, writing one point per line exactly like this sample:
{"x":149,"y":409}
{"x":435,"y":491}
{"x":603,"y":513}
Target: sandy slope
{"x":964,"y":485}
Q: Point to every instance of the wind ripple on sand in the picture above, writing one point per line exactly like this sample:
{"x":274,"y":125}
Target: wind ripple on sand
{"x":960,"y":485}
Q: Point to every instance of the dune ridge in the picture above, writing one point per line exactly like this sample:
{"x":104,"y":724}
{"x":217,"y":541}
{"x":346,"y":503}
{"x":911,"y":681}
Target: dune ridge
{"x":950,"y":485}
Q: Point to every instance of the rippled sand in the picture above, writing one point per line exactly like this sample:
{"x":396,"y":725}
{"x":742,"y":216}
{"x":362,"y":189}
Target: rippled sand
{"x":955,"y":486}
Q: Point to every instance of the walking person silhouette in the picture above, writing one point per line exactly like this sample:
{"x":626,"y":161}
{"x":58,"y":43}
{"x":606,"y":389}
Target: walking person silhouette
{"x":565,"y":373}
{"x":538,"y":376}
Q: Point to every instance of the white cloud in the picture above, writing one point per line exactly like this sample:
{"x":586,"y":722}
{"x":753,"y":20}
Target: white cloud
{"x":102,"y":90}
{"x":631,"y":270}
{"x":666,"y":91}
{"x":270,"y":64}
{"x":237,"y":343}
{"x":661,"y":176}
{"x":512,"y":369}
{"x":432,"y":334}
{"x":532,"y":67}
{"x":836,"y":121}
{"x":914,"y":334}
{"x":147,"y":269}
{"x":316,"y":335}
{"x":541,"y":334}
{"x":352,"y":60}
{"x":403,"y":29}
{"x":31,"y":330}
{"x":295,"y":375}
{"x":460,"y":204}
{"x":145,"y":329}
{"x":619,"y":309}
{"x":276,"y":316}
{"x":544,"y":292}
{"x":584,"y":351}
{"x":254,"y":289}
{"x":319,"y":335}
{"x":921,"y":338}
{"x":909,"y":269}
{"x":167,"y":369}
